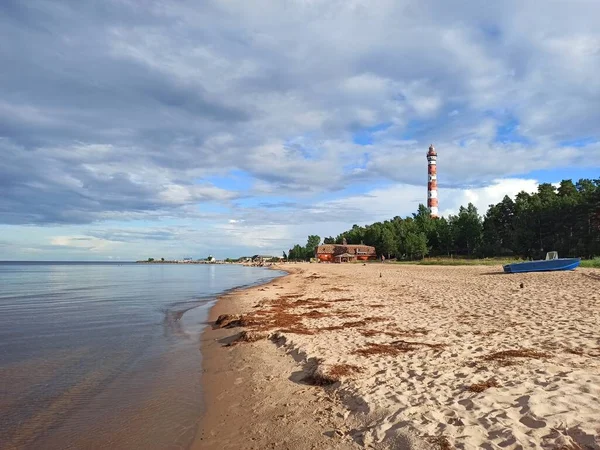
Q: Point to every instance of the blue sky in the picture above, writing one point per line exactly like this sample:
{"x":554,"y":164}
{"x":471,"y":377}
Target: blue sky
{"x":136,"y":129}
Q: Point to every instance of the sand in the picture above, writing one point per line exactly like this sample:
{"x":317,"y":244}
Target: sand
{"x":415,"y":357}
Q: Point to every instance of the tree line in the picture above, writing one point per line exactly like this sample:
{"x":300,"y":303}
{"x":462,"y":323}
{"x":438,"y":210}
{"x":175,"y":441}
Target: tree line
{"x":564,"y":218}
{"x":299,"y":253}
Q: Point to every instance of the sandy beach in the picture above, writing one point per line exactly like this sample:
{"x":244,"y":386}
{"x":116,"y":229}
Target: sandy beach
{"x":398,"y":356}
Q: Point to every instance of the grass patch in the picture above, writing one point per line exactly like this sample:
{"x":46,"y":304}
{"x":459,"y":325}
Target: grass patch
{"x":591,"y":263}
{"x":461,"y":262}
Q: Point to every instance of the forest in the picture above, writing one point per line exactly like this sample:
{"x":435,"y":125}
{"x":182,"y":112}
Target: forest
{"x":564,"y":219}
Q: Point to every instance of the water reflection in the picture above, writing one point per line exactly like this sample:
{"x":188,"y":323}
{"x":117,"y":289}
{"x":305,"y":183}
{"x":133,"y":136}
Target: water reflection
{"x":104,"y":356}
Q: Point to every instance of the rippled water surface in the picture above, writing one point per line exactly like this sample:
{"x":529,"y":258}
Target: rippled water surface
{"x":105,"y":355}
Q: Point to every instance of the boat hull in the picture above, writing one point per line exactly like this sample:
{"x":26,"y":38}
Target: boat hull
{"x":560,"y":264}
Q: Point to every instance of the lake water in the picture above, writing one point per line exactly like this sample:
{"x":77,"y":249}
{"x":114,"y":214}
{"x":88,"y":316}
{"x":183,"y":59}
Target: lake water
{"x":105,"y":355}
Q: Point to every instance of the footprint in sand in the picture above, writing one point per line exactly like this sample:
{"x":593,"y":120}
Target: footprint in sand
{"x":532,"y":422}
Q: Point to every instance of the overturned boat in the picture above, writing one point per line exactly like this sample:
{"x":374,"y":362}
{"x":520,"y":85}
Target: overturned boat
{"x":551,"y":263}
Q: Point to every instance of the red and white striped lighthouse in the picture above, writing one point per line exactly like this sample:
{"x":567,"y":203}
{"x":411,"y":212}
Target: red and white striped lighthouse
{"x":432,"y":193}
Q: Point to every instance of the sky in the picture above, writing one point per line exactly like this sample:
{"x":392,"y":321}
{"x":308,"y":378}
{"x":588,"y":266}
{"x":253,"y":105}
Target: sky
{"x":170,"y":128}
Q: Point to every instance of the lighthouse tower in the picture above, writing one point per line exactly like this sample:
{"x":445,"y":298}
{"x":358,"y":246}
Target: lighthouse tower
{"x":432,"y":193}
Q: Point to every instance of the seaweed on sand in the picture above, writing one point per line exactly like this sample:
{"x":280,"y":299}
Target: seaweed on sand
{"x":480,"y":387}
{"x":327,"y":375}
{"x":507,"y":357}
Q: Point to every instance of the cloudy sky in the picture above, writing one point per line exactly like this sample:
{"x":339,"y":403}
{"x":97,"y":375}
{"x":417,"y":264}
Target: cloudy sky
{"x":172,"y":128}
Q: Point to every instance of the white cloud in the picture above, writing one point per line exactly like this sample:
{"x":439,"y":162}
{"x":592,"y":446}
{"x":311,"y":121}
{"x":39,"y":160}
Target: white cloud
{"x":182,"y":93}
{"x":87,"y":243}
{"x":402,"y":200}
{"x":483,"y":197}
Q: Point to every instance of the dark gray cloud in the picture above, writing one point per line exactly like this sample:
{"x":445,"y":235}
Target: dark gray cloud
{"x":86,"y":183}
{"x":120,"y":109}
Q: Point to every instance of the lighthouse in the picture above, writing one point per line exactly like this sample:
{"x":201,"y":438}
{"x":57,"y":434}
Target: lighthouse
{"x":432,"y":193}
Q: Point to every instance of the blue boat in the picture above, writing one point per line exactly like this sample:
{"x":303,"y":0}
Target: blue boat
{"x":551,"y":263}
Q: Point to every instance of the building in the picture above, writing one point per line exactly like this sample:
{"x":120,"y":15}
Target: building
{"x":345,"y":253}
{"x":432,"y":193}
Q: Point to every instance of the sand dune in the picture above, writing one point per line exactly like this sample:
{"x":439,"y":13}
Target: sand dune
{"x":444,"y":357}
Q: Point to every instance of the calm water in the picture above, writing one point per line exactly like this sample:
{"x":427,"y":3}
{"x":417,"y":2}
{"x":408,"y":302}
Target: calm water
{"x":105,"y":355}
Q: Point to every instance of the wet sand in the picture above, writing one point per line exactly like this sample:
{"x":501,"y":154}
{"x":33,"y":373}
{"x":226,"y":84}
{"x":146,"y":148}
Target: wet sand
{"x":254,"y":396}
{"x":408,"y":357}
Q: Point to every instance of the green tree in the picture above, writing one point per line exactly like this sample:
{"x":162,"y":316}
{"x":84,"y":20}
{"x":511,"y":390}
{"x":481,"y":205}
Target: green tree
{"x":373,"y":236}
{"x":415,"y":244}
{"x":353,"y":236}
{"x":297,"y":253}
{"x":498,"y":228}
{"x":311,"y":246}
{"x":566,"y":219}
{"x":389,"y":242}
{"x":313,"y":241}
{"x":467,"y":229}
{"x":150,"y":259}
{"x":444,"y":237}
{"x":567,"y":189}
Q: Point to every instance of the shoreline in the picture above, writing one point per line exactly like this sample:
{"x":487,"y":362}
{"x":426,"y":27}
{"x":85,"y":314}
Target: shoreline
{"x":241,"y":408}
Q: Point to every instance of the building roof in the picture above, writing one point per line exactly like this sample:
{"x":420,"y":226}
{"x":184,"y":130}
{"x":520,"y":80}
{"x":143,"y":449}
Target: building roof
{"x":338,"y":249}
{"x":345,"y":255}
